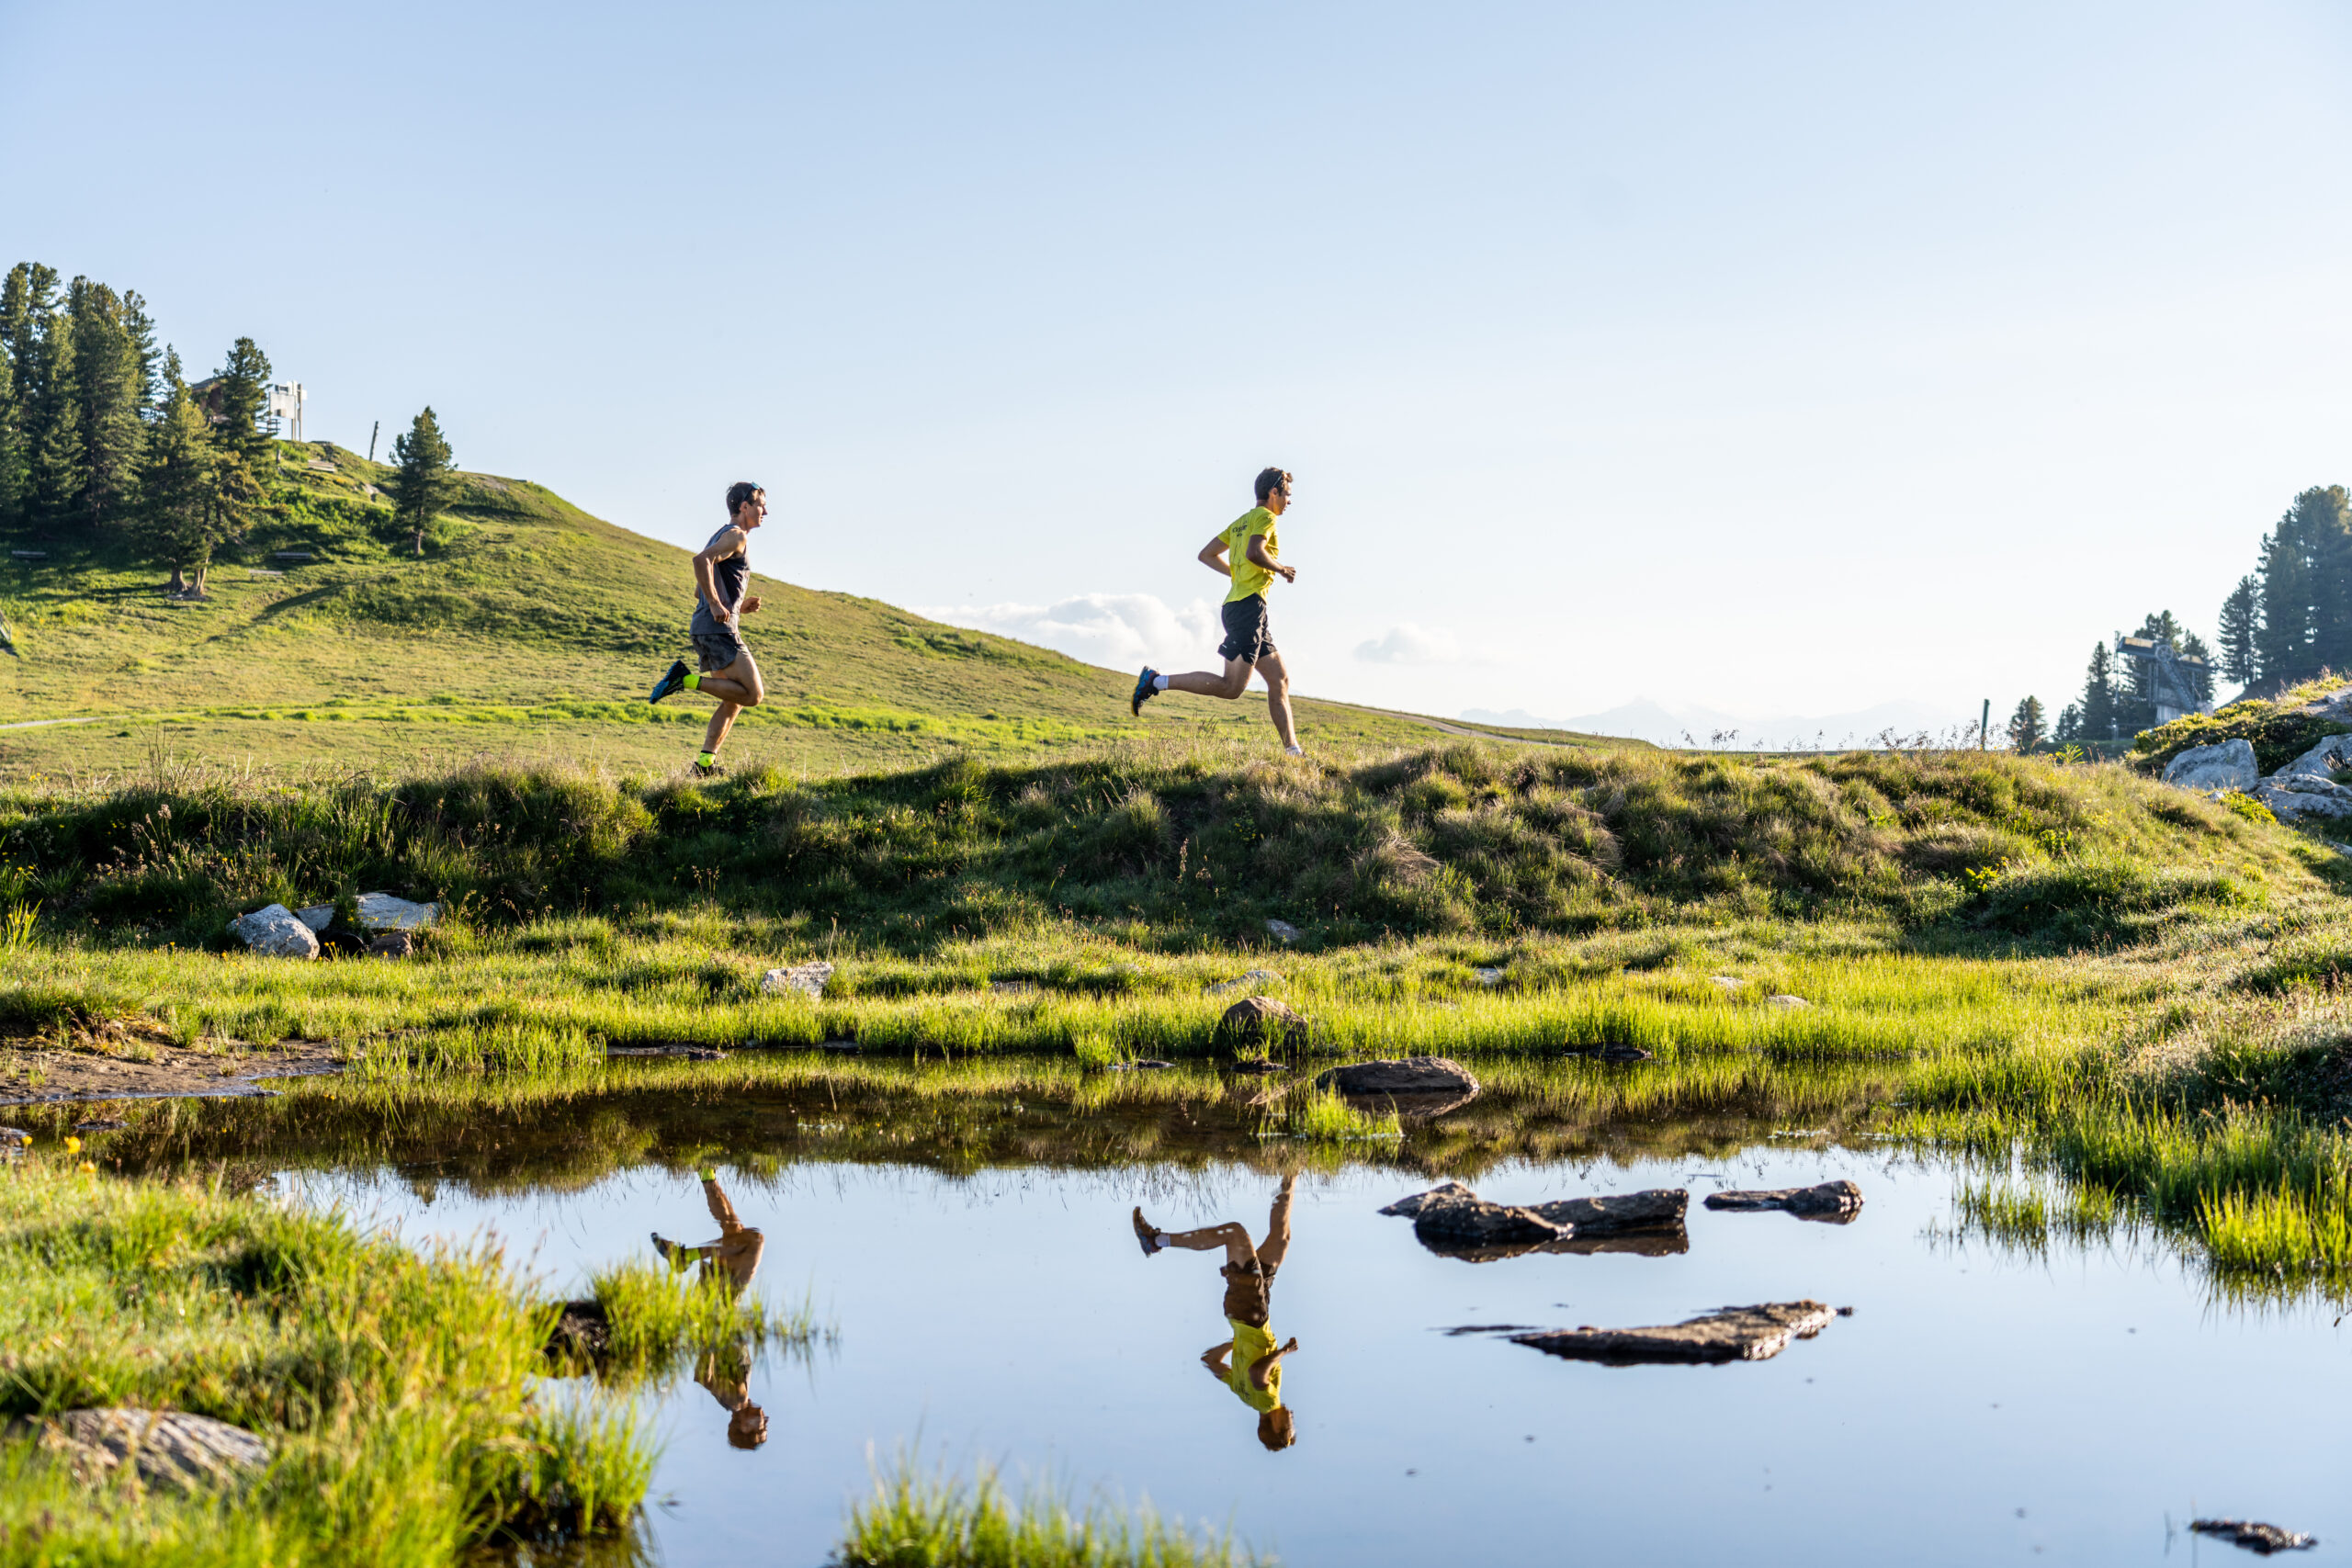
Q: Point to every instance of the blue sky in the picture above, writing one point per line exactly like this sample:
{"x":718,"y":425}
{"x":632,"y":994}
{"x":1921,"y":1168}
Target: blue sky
{"x":1778,"y":359}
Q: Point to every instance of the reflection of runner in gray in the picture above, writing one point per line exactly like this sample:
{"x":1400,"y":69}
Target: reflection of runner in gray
{"x":1249,"y":552}
{"x":727,"y":672}
{"x":1254,"y":1371}
{"x":734,"y":1258}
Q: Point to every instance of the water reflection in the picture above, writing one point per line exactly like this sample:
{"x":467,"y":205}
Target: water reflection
{"x":1250,"y":1363}
{"x":733,"y":1257}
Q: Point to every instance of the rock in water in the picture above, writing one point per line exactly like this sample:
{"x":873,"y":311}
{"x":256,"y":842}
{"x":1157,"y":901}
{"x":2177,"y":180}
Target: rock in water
{"x":807,"y":978}
{"x":1261,"y":1021}
{"x":382,"y":912}
{"x":2255,"y":1536}
{"x":2229,"y":765}
{"x":1735,"y":1334}
{"x":1455,"y":1222}
{"x":273,"y":932}
{"x":1660,"y":1208}
{"x":1411,"y":1074}
{"x":169,"y":1448}
{"x":1839,"y":1200}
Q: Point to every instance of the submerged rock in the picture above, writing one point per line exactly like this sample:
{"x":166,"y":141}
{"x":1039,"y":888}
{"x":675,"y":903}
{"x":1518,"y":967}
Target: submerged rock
{"x":14,"y":1142}
{"x":1839,"y":1201}
{"x":1735,"y":1334}
{"x":805,"y":978}
{"x":170,"y":1449}
{"x":1409,"y":1074}
{"x":2253,"y":1536}
{"x":2229,"y":765}
{"x":1455,"y":1222}
{"x":273,"y":932}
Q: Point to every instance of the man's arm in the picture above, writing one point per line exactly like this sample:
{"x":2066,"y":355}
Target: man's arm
{"x":1258,"y":558}
{"x":1212,"y":557}
{"x":728,"y":545}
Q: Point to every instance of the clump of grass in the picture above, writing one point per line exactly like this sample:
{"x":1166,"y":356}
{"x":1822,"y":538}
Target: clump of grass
{"x":2279,"y":1232}
{"x":1324,"y":1115}
{"x":2014,"y":1216}
{"x":655,"y":1314}
{"x":914,"y":1520}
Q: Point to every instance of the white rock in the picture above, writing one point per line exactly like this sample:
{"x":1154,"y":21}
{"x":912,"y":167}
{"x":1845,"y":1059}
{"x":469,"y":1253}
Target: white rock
{"x":2229,"y":765}
{"x":1488,"y":977}
{"x":273,"y":932}
{"x":1255,"y":977}
{"x":318,"y":916}
{"x":1729,"y":982}
{"x":2321,"y":762}
{"x":2301,"y":794}
{"x":382,"y":912}
{"x":1786,"y":1001}
{"x":807,"y":978}
{"x":1284,"y":931}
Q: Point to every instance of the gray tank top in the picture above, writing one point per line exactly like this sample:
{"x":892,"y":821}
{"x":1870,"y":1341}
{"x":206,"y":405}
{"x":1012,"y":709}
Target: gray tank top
{"x":727,"y":576}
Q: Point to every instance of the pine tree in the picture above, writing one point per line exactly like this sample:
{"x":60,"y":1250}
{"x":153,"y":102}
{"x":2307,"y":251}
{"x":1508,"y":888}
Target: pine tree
{"x":2099,"y":705}
{"x":2201,"y":676}
{"x":2027,"y":732}
{"x":240,"y":398}
{"x":176,"y":486}
{"x":53,"y":433}
{"x":2240,"y":626}
{"x":424,"y":481}
{"x":12,"y":455}
{"x":108,"y":398}
{"x":20,"y":295}
{"x":2069,"y":724}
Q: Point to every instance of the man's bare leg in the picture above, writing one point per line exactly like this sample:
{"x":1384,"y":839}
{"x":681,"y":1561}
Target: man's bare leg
{"x":1201,"y":683}
{"x":1232,"y":1235}
{"x":739,"y":684}
{"x":1277,"y":1243}
{"x":1277,"y":696}
{"x":720,"y":1209}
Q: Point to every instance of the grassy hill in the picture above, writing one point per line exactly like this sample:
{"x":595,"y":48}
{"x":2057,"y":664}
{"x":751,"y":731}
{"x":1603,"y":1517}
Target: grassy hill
{"x":528,"y":629}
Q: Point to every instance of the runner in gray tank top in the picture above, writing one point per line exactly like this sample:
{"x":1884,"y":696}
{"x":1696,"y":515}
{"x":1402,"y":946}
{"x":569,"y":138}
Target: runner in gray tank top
{"x":722,"y":569}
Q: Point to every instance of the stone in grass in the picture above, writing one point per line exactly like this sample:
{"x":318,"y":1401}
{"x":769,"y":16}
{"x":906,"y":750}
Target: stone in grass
{"x":1786,"y":1001}
{"x":2229,"y":765}
{"x":2254,"y":1536}
{"x":169,"y":1448}
{"x":1243,"y":982}
{"x":1838,"y":1200}
{"x":809,"y":979}
{"x":382,"y":912}
{"x":1735,"y":1334}
{"x":391,"y":944}
{"x":273,"y":932}
{"x":2293,"y":796}
{"x":2323,"y":762}
{"x":1261,"y":1021}
{"x":1282,"y":931}
{"x":1409,"y":1074}
{"x":318,"y":916}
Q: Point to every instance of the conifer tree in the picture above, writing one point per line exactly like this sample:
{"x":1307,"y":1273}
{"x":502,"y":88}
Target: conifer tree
{"x":239,"y":402}
{"x":107,"y":398}
{"x":2069,"y":724}
{"x":2240,"y":625}
{"x":12,"y":455}
{"x":18,"y":292}
{"x":2099,"y":705}
{"x":178,"y":482}
{"x":2028,"y":732}
{"x":54,"y":435}
{"x":424,"y":480}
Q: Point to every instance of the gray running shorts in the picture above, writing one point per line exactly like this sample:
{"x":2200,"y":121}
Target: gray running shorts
{"x":717,"y":648}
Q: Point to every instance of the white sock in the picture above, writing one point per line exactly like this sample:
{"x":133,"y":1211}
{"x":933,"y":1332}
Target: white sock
{"x":1159,"y":682}
{"x":1293,"y":750}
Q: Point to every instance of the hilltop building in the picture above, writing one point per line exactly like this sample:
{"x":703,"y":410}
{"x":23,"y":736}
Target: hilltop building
{"x":281,"y":413}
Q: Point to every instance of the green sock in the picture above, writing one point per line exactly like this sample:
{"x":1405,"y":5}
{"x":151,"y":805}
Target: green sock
{"x":693,"y":682}
{"x":707,"y":758}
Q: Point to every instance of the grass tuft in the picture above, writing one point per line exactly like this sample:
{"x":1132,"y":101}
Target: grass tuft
{"x":917,"y":1520}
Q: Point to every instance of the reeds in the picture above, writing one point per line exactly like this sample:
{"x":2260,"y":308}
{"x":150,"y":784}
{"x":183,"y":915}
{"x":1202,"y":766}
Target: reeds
{"x":914,"y":1519}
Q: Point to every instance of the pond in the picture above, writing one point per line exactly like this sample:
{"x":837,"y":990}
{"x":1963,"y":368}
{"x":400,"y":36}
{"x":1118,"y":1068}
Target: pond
{"x":1983,"y":1402}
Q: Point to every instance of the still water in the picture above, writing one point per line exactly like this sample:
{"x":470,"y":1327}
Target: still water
{"x":1978,"y":1406}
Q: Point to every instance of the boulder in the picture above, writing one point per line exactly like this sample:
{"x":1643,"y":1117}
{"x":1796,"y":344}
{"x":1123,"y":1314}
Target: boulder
{"x":382,"y":912}
{"x":2254,"y":1536}
{"x":809,"y":979}
{"x":1409,"y":1075}
{"x":1454,"y":1222}
{"x":2229,"y":765}
{"x":2289,"y":797}
{"x":1254,"y":978}
{"x":1488,"y":977}
{"x":391,"y":944}
{"x":1735,"y":1334}
{"x":1261,"y":1021}
{"x":1466,"y":1219}
{"x":318,"y":916}
{"x":1786,"y":1001}
{"x":1282,"y":931}
{"x":170,"y":1449}
{"x":1656,"y":1209}
{"x":1839,"y":1201}
{"x":2322,"y":761}
{"x":273,"y":932}
{"x":1729,"y":982}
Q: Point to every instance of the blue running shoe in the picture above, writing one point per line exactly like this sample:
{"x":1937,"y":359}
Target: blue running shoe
{"x":1144,"y":691}
{"x":674,"y":679}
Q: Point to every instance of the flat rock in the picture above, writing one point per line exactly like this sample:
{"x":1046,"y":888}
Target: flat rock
{"x":1786,"y":1001}
{"x":169,"y":1448}
{"x":1839,"y":1201}
{"x":1735,"y":1334}
{"x":1468,"y":1219}
{"x":809,"y":979}
{"x":1454,"y":1221}
{"x":2229,"y":765}
{"x":1409,"y":1074}
{"x":2254,"y":1536}
{"x":1488,"y":977}
{"x":2323,"y":762}
{"x":318,"y":916}
{"x":1244,"y":981}
{"x":382,"y":912}
{"x":1261,"y":1021}
{"x":691,"y":1053}
{"x":1657,"y":1208}
{"x":1729,"y":982}
{"x":273,"y":932}
{"x":2289,"y":797}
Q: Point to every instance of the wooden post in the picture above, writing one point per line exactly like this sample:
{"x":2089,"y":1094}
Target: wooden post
{"x":1984,"y":726}
{"x":371,"y":439}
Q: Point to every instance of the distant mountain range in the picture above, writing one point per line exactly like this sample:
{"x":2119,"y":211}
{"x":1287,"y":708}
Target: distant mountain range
{"x":1646,"y":720}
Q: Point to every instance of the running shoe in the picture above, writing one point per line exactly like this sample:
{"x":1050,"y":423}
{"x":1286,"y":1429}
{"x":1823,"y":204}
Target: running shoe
{"x":667,"y":1248}
{"x":1145,"y":692}
{"x":707,"y":770}
{"x":1147,"y":1236}
{"x":674,"y":681}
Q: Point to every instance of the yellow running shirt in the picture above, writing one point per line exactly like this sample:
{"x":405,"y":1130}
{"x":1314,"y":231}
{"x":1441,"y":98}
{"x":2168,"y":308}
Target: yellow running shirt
{"x":1250,"y":578}
{"x":1252,"y":1346}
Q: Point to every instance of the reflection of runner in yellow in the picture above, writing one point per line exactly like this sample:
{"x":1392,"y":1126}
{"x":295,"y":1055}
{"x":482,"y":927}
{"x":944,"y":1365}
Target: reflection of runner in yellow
{"x":1254,"y":1371}
{"x":733,"y":1258}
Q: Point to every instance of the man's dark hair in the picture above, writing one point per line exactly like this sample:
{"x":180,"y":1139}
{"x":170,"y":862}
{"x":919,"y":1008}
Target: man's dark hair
{"x":740,"y":493}
{"x":1269,"y":482}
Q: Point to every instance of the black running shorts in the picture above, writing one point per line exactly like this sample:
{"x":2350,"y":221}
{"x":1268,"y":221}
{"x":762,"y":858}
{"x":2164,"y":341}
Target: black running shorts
{"x":1246,"y":636}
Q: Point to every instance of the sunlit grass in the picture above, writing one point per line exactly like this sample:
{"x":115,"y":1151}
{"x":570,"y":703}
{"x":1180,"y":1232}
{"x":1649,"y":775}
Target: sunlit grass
{"x":917,"y":1520}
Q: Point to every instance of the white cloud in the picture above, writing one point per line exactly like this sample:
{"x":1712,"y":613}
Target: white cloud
{"x":1119,"y":631}
{"x":1408,"y":644}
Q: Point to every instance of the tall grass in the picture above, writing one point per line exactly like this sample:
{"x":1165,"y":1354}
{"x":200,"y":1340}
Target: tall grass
{"x":655,"y":1314}
{"x":917,"y":1520}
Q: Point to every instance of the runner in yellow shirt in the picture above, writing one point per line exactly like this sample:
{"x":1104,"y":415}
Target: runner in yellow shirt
{"x":1254,"y":1371}
{"x":1249,"y":552}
